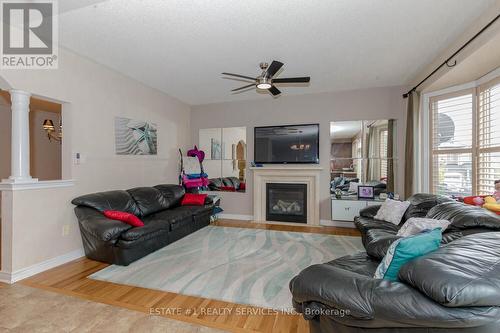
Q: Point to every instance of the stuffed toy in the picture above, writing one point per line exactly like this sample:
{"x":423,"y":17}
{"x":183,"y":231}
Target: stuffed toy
{"x":196,"y":153}
{"x":491,"y":204}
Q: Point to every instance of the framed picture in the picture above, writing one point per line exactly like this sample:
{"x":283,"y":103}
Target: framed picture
{"x":135,"y":137}
{"x":366,"y":192}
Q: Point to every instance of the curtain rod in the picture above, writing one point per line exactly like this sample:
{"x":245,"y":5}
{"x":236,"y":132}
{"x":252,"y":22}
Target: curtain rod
{"x":447,"y":61}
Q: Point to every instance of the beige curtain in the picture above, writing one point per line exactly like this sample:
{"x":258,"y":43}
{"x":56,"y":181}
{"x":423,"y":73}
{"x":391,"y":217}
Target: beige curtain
{"x":390,"y":154}
{"x":369,"y":154}
{"x":413,"y":108}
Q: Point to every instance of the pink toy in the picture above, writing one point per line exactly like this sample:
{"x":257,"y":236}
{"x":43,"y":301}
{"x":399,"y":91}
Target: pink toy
{"x":478,"y":201}
{"x":196,"y":153}
{"x":193,"y":183}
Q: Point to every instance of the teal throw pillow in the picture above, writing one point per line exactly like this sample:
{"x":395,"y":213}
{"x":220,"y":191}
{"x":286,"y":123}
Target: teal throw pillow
{"x":406,"y":249}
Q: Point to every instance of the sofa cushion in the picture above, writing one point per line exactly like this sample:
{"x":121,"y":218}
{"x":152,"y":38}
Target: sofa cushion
{"x":173,"y":215}
{"x":369,"y":211}
{"x":366,"y":223}
{"x":194,"y":210}
{"x":414,"y":225}
{"x":405,"y":250}
{"x":392,"y":211}
{"x":124,"y":217}
{"x":236,"y":182}
{"x":148,"y":199}
{"x":215,"y":183}
{"x":421,"y":203}
{"x":158,"y":223}
{"x":465,"y":272}
{"x":173,"y":194}
{"x":152,"y":228}
{"x":227,"y":182}
{"x":464,"y":216}
{"x":193,"y":199}
{"x":110,"y":200}
{"x":378,"y":241}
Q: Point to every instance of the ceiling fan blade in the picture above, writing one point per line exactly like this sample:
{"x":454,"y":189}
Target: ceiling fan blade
{"x":244,"y":87}
{"x":238,"y":75}
{"x":275,"y":91}
{"x":274,"y":68}
{"x":304,"y":79}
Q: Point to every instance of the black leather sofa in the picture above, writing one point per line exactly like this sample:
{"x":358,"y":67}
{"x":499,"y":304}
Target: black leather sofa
{"x":216,"y":184}
{"x":453,"y":289}
{"x":165,"y":221}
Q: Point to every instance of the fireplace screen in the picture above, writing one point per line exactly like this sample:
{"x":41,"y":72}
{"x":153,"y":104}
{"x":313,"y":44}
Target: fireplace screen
{"x":286,"y":202}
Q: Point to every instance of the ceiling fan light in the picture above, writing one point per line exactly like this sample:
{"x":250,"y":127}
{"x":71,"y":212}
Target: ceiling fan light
{"x":264,"y":85}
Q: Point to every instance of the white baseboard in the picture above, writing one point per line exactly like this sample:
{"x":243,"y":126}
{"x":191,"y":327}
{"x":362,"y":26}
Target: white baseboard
{"x":341,"y":224}
{"x":5,"y":277}
{"x":236,"y":217}
{"x":40,"y":267}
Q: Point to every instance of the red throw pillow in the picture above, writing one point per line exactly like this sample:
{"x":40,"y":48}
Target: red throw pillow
{"x":124,"y":217}
{"x":193,"y":199}
{"x":227,"y":188}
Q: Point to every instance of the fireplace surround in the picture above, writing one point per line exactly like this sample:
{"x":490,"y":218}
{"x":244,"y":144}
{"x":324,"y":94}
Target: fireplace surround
{"x":308,"y":175}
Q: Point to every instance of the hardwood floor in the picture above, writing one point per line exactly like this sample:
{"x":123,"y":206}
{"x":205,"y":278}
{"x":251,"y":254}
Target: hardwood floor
{"x":71,"y":279}
{"x":287,"y":227}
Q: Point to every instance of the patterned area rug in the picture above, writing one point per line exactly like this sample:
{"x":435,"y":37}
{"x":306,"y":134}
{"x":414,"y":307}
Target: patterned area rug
{"x":237,"y":265}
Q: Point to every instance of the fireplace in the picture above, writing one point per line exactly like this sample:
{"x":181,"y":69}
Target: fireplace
{"x":286,"y":202}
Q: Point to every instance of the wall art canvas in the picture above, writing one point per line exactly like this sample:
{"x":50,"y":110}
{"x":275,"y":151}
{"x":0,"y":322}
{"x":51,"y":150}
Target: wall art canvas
{"x":135,"y":137}
{"x":216,"y":149}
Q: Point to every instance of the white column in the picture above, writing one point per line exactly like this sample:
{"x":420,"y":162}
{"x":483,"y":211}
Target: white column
{"x":20,"y":151}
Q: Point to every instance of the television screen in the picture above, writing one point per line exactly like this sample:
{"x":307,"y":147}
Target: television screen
{"x":287,"y":144}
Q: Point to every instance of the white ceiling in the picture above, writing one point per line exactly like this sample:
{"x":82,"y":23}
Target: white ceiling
{"x":345,"y":129}
{"x":484,"y":60}
{"x":181,"y":47}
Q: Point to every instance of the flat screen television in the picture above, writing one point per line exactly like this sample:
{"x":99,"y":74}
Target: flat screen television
{"x":286,"y":144}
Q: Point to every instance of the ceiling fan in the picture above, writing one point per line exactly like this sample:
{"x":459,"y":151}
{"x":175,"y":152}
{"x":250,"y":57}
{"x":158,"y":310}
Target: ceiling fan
{"x":266,"y":80}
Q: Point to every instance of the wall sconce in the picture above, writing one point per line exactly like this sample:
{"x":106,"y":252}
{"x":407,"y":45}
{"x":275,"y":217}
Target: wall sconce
{"x":48,"y":126}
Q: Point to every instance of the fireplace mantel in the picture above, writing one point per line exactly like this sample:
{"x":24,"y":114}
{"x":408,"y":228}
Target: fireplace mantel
{"x":291,"y":174}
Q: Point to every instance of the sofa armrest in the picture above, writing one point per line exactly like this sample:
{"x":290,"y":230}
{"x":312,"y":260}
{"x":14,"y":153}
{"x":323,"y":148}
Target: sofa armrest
{"x":98,"y":226}
{"x":369,"y":211}
{"x":334,"y":287}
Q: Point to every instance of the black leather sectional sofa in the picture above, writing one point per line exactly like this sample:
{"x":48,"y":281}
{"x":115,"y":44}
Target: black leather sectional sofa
{"x":158,"y":207}
{"x":453,"y":289}
{"x":216,"y":184}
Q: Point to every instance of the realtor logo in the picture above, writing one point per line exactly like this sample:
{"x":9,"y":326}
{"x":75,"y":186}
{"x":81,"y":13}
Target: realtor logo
{"x":29,"y":34}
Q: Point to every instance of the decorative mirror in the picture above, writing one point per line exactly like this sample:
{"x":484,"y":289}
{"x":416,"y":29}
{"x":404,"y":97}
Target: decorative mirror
{"x":363,"y":152}
{"x":225,"y":157}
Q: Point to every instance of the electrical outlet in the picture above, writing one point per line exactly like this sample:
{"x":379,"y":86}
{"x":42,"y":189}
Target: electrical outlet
{"x":65,"y":230}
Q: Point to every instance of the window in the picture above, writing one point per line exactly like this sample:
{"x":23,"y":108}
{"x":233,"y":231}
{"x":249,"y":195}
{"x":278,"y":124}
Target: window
{"x":465,"y":141}
{"x":383,"y":153}
{"x":488,"y":164}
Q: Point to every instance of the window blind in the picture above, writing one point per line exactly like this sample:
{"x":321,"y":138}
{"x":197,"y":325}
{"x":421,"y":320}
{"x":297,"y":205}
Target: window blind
{"x":488,"y":164}
{"x":383,"y":153}
{"x":452,"y":144}
{"x":452,"y":122}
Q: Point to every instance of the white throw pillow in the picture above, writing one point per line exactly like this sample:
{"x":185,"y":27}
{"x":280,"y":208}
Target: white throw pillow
{"x":392,"y":211}
{"x":353,"y":187}
{"x":415,"y":225}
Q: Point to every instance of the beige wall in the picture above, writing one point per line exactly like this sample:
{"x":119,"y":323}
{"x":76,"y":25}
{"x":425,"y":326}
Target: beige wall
{"x":376,"y":103}
{"x":93,"y":96}
{"x":45,"y":156}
